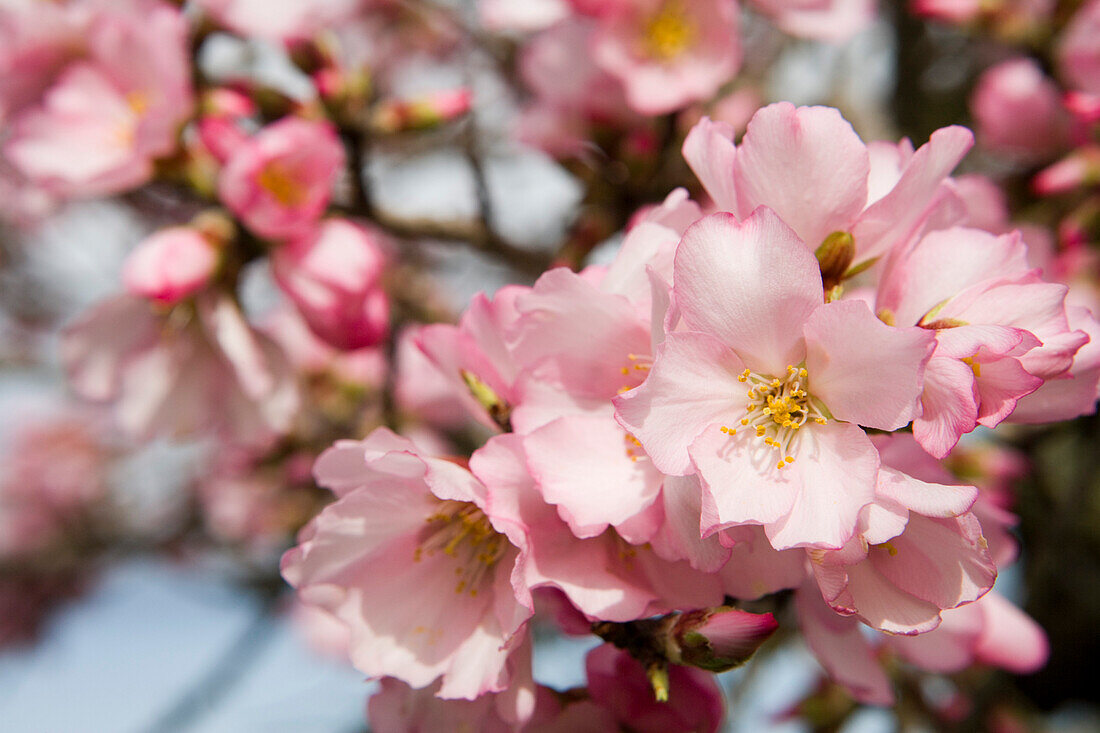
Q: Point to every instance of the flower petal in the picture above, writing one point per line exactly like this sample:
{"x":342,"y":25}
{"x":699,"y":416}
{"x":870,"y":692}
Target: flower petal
{"x":864,"y":371}
{"x":751,"y":285}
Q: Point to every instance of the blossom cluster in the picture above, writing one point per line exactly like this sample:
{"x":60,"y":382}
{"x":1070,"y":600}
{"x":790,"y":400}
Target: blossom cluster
{"x":748,"y":397}
{"x":741,"y":402}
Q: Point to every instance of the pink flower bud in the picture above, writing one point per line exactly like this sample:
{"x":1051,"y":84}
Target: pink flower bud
{"x":1079,"y":168}
{"x":170,"y":265}
{"x":421,"y":113}
{"x":1018,"y":110}
{"x":717,"y":639}
{"x":280,"y":180}
{"x":334,"y":276}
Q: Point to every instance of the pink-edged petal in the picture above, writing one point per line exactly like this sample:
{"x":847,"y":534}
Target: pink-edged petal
{"x":1075,"y":392}
{"x":841,"y":648}
{"x":881,"y":604}
{"x":807,"y":164}
{"x":1001,"y":384}
{"x":588,"y":466}
{"x":693,"y":384}
{"x":837,"y":468}
{"x":864,"y":371}
{"x":739,"y":474}
{"x":751,"y":285}
{"x":941,"y":561}
{"x":894,"y":218}
{"x":950,"y":405}
{"x":881,"y":520}
{"x":929,"y":499}
{"x":710,"y":152}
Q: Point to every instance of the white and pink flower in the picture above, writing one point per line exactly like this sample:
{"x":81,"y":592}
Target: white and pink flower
{"x":763,"y":389}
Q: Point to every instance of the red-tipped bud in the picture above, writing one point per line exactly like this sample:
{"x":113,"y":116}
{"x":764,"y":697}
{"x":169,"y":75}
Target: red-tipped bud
{"x":717,"y":639}
{"x":171,"y":265}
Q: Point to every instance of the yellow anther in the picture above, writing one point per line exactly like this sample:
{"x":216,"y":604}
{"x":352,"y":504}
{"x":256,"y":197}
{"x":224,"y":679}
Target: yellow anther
{"x":789,"y":459}
{"x":744,"y":421}
{"x":974,"y":366}
{"x":780,"y":464}
{"x":760,"y":431}
{"x":625,"y":370}
{"x":802,"y":372}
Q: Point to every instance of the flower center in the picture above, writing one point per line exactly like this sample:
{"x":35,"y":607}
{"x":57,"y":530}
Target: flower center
{"x":668,"y":33}
{"x":459,"y":529}
{"x":777,"y":409}
{"x":280,"y":182}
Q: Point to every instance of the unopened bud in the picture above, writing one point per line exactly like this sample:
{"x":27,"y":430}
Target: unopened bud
{"x":171,"y":265}
{"x":421,"y":113}
{"x":1079,"y":168}
{"x":718,"y":639}
{"x":834,"y":256}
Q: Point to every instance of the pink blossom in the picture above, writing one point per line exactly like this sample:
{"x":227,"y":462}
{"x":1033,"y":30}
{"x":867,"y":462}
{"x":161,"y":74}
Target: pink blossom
{"x":105,"y":96}
{"x":334,"y":276}
{"x":668,"y":53}
{"x":191,"y":370}
{"x":810,"y":167}
{"x":170,"y":265}
{"x":790,"y":454}
{"x":1078,"y":51}
{"x":280,"y":20}
{"x":605,"y":576}
{"x":408,"y":558}
{"x":919,"y":551}
{"x":1000,"y":330}
{"x":1018,"y":110}
{"x":280,"y":180}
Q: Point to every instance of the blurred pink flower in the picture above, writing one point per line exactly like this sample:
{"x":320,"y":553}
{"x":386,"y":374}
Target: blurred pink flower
{"x":280,"y":180}
{"x":189,"y":371}
{"x":1018,"y":111}
{"x":668,"y":53}
{"x":102,"y":91}
{"x":333,"y":275}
